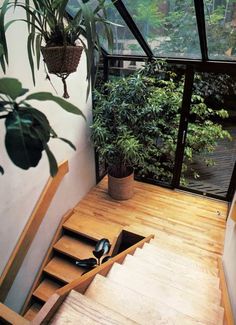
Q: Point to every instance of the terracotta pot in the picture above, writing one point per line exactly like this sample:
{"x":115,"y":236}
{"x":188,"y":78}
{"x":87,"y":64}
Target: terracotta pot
{"x":60,"y":59}
{"x":121,"y":188}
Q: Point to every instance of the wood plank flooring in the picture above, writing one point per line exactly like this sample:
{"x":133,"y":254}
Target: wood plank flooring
{"x":175,"y":218}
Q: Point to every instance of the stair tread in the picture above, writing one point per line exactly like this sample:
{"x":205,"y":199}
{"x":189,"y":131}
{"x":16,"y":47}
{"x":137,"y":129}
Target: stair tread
{"x":176,"y":258}
{"x":74,"y":247}
{"x":93,"y":228}
{"x":63,"y":269}
{"x":174,"y":279}
{"x":178,"y":268}
{"x":186,"y":250}
{"x":136,"y":306}
{"x":79,"y":309}
{"x":33,"y":311}
{"x":182,"y":244}
{"x":45,"y":289}
{"x":181,"y":300}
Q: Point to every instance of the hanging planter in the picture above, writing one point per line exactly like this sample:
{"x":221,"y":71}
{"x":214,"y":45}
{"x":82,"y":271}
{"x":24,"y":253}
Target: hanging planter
{"x":60,"y":26}
{"x":62,"y":61}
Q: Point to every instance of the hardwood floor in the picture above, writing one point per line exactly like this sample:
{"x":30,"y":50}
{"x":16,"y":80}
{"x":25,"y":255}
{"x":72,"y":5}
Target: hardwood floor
{"x":175,"y":218}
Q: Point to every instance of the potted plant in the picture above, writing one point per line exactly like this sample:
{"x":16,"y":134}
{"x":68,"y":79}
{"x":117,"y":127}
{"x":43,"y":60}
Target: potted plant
{"x":60,"y":38}
{"x":27,"y":129}
{"x":138,"y":117}
{"x":112,"y":134}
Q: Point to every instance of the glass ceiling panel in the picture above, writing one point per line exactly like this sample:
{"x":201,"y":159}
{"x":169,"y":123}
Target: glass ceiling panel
{"x":169,"y":26}
{"x":124,"y":41}
{"x":220,"y":18}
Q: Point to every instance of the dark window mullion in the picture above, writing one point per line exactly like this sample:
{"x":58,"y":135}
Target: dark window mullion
{"x":232,"y":185}
{"x":200,"y":15}
{"x":182,"y":133}
{"x":133,"y":27}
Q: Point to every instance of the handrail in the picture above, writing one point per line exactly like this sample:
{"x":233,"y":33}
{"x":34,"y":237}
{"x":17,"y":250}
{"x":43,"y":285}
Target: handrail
{"x":17,"y":257}
{"x":81,"y":284}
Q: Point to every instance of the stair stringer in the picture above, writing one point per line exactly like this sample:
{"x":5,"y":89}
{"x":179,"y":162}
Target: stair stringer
{"x":81,"y":284}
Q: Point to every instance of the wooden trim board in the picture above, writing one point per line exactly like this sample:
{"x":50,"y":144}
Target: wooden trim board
{"x":81,"y":284}
{"x":46,"y":260}
{"x":17,"y":257}
{"x":8,"y":316}
{"x":226,"y":304}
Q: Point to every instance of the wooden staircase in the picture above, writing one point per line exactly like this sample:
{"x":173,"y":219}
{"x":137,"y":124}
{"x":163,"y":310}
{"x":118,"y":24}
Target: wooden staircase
{"x":154,"y":286}
{"x":75,"y":239}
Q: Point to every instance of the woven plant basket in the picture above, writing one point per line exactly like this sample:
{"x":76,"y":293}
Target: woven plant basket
{"x":62,"y":59}
{"x":121,"y":188}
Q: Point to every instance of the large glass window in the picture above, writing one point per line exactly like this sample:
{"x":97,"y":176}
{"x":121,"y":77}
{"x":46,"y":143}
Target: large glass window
{"x":220,"y":17}
{"x":169,"y":27}
{"x":210,"y":150}
{"x":124,"y":41}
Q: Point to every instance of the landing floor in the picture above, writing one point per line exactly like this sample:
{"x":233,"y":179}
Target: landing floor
{"x":168,"y":214}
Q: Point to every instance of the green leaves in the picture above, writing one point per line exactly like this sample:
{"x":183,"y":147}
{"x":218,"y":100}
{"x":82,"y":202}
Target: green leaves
{"x":27,"y":129}
{"x":48,"y":22}
{"x":11,"y":88}
{"x":44,"y":96}
{"x":22,"y":143}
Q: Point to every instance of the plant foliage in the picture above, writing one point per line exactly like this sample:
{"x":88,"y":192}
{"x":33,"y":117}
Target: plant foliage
{"x":50,"y":24}
{"x":27,"y":129}
{"x":136,"y":122}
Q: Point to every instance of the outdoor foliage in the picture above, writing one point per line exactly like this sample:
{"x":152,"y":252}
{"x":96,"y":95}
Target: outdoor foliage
{"x":170,"y":27}
{"x":143,"y":111}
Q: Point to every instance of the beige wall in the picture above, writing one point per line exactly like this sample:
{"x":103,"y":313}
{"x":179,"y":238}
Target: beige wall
{"x":229,"y":258}
{"x":19,"y":189}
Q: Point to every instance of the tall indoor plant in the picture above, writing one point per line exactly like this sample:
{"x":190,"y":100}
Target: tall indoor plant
{"x":112,"y":133}
{"x":60,"y":30}
{"x":146,"y":108}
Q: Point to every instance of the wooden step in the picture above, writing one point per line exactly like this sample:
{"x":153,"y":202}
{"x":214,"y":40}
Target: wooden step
{"x":175,"y":298}
{"x":134,"y":305}
{"x":185,"y":249}
{"x":174,"y":242}
{"x":174,"y":279}
{"x":93,"y":228}
{"x":63,"y":269}
{"x":180,"y":269}
{"x":74,"y":247}
{"x":79,"y":309}
{"x":178,"y":259}
{"x":33,"y":311}
{"x":46,"y":288}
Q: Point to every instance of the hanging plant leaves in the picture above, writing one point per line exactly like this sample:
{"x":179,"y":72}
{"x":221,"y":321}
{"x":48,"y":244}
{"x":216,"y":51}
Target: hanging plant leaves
{"x":106,"y":258}
{"x":43,"y":96}
{"x":103,"y":244}
{"x":25,"y":130}
{"x":88,"y":262}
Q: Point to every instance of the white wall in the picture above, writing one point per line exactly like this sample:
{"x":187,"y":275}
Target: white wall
{"x":20,"y":189}
{"x":229,"y":259}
